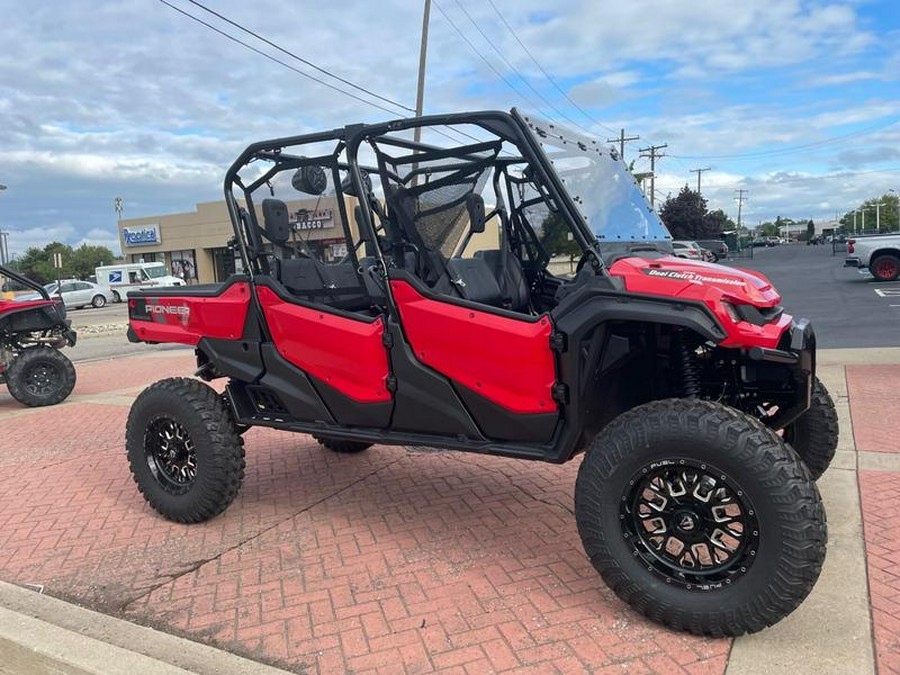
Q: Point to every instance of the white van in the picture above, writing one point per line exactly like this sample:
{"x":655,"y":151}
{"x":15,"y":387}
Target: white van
{"x":126,"y":277}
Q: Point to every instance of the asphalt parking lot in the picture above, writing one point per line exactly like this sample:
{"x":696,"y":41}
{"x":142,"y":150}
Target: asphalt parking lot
{"x":847,"y":307}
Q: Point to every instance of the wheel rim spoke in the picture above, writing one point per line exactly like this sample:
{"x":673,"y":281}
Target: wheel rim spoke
{"x":690,"y":523}
{"x":171,"y":454}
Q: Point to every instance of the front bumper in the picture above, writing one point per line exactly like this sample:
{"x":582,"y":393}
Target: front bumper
{"x":797,"y":351}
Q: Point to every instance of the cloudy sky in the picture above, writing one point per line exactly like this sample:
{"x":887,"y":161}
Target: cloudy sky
{"x":795,"y":101}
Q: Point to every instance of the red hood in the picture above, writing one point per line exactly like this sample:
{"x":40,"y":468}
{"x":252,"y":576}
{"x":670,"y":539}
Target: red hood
{"x":695,"y":280}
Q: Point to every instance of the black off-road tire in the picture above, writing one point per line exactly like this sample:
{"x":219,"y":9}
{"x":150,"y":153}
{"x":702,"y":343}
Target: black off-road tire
{"x":98,"y":301}
{"x":216,"y":450}
{"x":814,"y":435}
{"x":345,"y":447}
{"x":40,"y":376}
{"x":781,"y":551}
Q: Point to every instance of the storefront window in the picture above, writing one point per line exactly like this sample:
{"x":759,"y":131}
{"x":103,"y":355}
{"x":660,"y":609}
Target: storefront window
{"x":184,"y":264}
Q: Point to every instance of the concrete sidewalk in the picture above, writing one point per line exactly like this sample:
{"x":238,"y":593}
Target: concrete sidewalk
{"x":394,"y":560}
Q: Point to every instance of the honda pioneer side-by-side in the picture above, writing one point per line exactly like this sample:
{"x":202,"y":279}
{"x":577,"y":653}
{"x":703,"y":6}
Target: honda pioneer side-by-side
{"x":31,"y":334}
{"x":436,"y":315}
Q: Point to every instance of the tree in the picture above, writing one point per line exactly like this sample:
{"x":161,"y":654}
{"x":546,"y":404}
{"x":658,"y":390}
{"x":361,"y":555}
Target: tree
{"x":810,"y":230}
{"x":768,"y":229}
{"x":556,"y":237}
{"x":86,"y":257}
{"x":37,"y":263}
{"x":687,"y":218}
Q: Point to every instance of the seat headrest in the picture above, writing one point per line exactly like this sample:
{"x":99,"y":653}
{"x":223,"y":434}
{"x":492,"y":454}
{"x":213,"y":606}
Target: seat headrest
{"x":275,"y":219}
{"x":475,"y":207}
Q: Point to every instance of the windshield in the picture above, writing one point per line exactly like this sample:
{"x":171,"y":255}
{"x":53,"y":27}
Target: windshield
{"x":155,"y":272}
{"x":600,"y":184}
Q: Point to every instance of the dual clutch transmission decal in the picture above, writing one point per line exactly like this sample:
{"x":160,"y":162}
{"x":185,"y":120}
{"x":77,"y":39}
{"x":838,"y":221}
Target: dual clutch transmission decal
{"x":692,"y":277}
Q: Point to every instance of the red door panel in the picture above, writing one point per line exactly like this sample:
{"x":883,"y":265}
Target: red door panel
{"x":345,"y":353}
{"x":187,"y":318}
{"x":507,"y":361}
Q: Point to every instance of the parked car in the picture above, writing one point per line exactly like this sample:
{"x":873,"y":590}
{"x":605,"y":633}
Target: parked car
{"x":687,"y":249}
{"x":75,"y":294}
{"x":879,"y":253}
{"x":717,"y":247}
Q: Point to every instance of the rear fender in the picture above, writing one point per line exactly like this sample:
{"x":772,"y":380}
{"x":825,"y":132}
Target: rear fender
{"x":187,"y":318}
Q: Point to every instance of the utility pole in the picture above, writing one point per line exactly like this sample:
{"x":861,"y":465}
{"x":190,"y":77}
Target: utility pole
{"x":740,"y":200}
{"x":621,"y":140}
{"x":423,"y":53}
{"x":699,"y":172}
{"x":654,"y":153}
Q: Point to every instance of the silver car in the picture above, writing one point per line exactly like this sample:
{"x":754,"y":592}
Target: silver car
{"x":75,"y":293}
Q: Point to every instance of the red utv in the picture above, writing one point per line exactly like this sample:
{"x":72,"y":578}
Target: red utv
{"x":31,"y":335}
{"x":453,"y":316}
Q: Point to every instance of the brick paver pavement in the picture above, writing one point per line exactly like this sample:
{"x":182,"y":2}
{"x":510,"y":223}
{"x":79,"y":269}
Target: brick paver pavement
{"x":387,"y":561}
{"x":875,"y":409}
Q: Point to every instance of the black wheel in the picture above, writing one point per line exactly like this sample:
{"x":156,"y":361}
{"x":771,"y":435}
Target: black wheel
{"x":40,"y":376}
{"x":814,"y":435}
{"x":700,"y":517}
{"x":116,"y":296}
{"x":184,"y":451}
{"x":885,"y":267}
{"x":347,"y":447}
{"x":98,"y":301}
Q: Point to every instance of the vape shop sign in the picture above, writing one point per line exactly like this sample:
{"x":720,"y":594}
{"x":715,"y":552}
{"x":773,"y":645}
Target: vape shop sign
{"x":320,"y":219}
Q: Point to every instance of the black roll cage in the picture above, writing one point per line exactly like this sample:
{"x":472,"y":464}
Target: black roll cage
{"x":510,"y":127}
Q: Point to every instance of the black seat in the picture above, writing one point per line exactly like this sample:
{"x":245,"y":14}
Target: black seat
{"x":510,"y":278}
{"x":474,"y":281}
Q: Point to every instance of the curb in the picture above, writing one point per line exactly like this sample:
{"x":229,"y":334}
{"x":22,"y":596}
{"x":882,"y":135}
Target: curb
{"x":41,"y":634}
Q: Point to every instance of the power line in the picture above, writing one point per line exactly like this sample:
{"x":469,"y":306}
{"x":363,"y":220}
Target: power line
{"x":278,"y":61}
{"x":311,"y":77}
{"x":482,"y":56}
{"x":299,"y":58}
{"x":514,"y":70}
{"x":543,"y":71}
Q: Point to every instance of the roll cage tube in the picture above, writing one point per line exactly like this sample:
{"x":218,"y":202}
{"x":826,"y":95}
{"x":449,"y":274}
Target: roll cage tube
{"x":25,"y":281}
{"x":510,"y":127}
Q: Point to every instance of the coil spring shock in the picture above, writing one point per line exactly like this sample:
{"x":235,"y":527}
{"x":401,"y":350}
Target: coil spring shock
{"x":687,"y":367}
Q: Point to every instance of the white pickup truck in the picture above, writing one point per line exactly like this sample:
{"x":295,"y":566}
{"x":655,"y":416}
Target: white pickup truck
{"x":879,"y":253}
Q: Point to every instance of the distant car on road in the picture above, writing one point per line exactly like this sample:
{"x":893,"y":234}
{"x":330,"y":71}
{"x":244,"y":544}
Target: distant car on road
{"x":75,"y":294}
{"x":687,"y":249}
{"x":879,"y":253}
{"x":717,"y":247}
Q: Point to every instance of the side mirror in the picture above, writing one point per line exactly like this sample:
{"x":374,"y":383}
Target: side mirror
{"x":310,"y":179}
